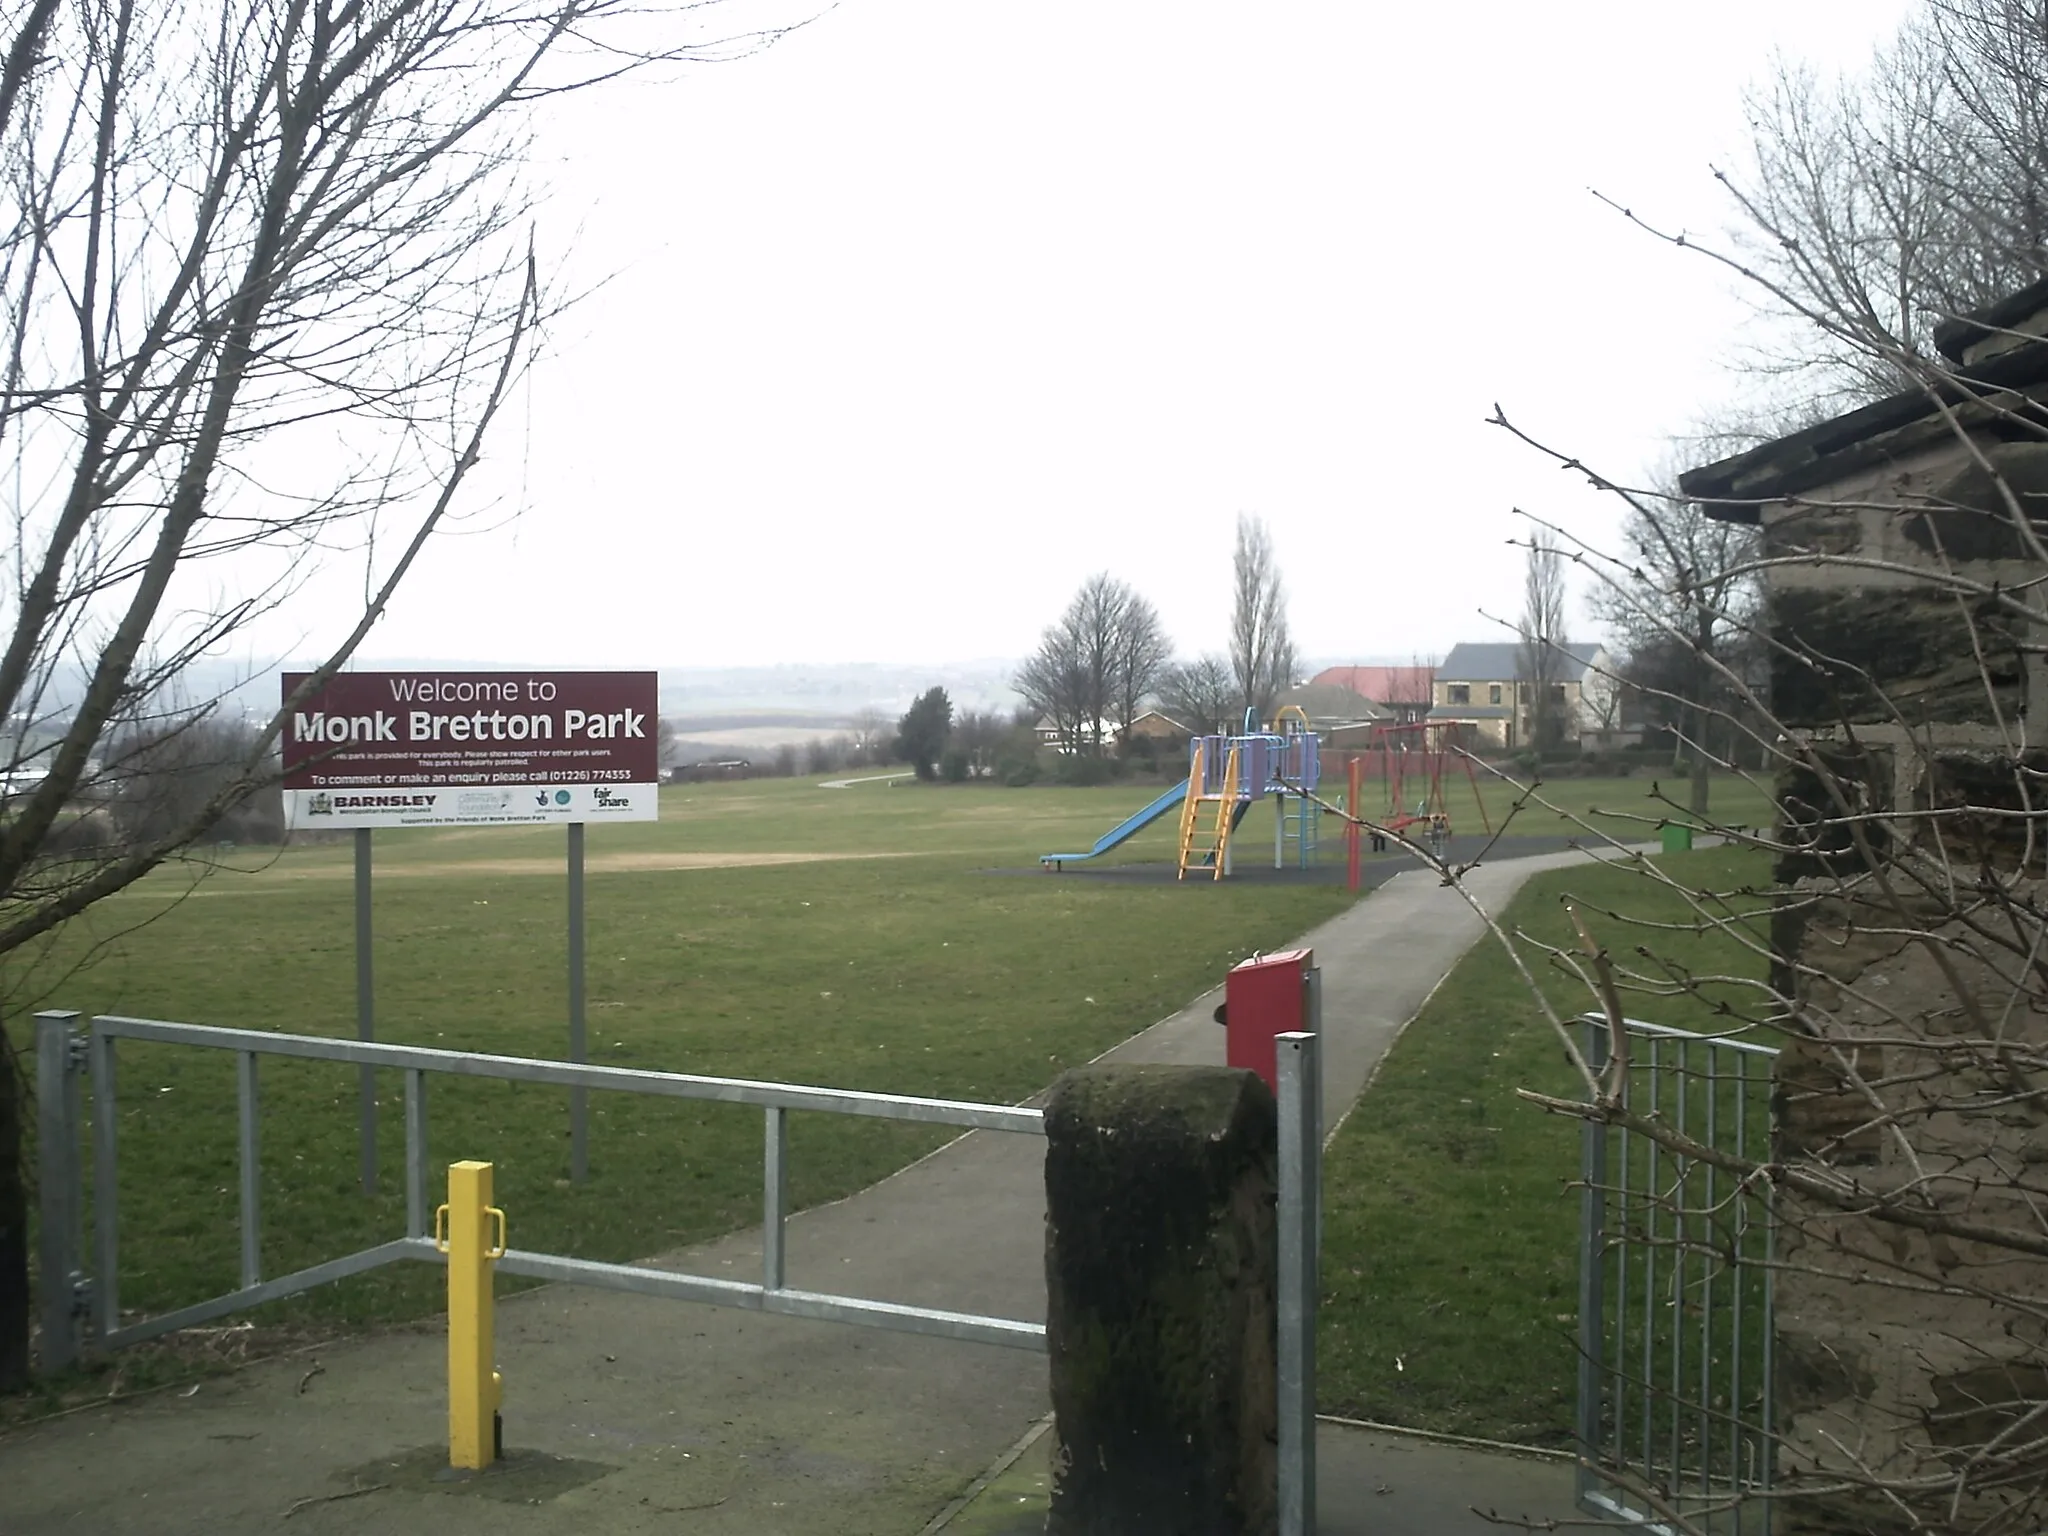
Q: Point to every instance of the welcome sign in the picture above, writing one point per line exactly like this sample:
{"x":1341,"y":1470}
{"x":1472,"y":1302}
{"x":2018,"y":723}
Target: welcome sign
{"x":431,"y":749}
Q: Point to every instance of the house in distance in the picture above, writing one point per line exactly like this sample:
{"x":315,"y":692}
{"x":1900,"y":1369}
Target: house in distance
{"x":1484,"y":685}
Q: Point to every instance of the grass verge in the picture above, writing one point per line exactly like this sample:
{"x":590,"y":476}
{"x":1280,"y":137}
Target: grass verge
{"x":1450,"y":1226}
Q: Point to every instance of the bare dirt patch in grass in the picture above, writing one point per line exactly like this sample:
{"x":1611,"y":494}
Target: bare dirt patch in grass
{"x":598,"y":864}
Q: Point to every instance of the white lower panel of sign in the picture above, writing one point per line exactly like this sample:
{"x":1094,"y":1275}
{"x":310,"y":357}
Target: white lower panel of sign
{"x":468,"y":805}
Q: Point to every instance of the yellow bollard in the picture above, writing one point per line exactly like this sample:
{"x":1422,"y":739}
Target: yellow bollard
{"x":471,"y":1231}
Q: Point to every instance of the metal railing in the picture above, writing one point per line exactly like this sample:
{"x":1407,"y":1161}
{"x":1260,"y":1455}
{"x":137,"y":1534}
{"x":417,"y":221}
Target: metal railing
{"x":1675,"y":1404}
{"x":81,"y":1306}
{"x":69,"y":1296}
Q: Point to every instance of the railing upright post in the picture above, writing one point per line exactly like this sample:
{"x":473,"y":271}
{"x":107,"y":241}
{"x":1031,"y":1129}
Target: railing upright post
{"x":415,"y":1152}
{"x":106,"y":1186}
{"x":61,"y":1191}
{"x":247,"y":1109}
{"x":1301,"y":1143}
{"x":1592,"y":1270}
{"x":774,"y":1197}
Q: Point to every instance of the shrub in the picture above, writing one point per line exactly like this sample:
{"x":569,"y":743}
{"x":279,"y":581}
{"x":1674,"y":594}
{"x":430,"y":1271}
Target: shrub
{"x":1084,"y":772}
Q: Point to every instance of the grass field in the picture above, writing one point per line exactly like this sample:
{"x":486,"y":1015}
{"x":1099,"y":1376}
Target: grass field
{"x":899,"y":963}
{"x":1450,"y":1261}
{"x":883,"y":937}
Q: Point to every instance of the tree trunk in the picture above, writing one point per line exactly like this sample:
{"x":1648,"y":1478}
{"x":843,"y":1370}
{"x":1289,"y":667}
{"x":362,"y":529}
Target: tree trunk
{"x":1702,"y":766}
{"x":14,"y":1298}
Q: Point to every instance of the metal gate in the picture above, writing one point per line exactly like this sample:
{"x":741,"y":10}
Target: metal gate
{"x":1675,"y":1275}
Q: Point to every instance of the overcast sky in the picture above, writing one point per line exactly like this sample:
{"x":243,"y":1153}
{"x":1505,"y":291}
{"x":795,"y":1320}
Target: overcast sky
{"x":939,"y":306}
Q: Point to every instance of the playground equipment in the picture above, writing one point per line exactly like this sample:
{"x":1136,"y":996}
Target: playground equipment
{"x":1225,"y":775}
{"x":1412,"y":760}
{"x":1123,"y":829}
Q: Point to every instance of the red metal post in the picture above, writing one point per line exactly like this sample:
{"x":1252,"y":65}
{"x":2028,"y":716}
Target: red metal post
{"x":1351,"y":828}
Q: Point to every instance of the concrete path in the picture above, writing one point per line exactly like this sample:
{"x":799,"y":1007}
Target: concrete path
{"x":628,"y":1414}
{"x":1369,"y":1484}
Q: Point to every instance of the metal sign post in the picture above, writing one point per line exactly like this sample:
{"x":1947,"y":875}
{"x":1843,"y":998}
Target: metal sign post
{"x":366,"y":1013}
{"x":579,"y":1096}
{"x":472,"y":749}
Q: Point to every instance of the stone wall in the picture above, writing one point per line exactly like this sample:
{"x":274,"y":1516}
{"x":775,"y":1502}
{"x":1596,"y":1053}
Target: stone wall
{"x":1893,"y":1349}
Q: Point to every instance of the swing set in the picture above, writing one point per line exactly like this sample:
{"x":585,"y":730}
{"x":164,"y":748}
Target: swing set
{"x":1413,"y":761}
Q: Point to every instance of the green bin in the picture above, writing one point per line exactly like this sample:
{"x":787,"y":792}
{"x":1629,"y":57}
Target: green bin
{"x":1678,"y":839}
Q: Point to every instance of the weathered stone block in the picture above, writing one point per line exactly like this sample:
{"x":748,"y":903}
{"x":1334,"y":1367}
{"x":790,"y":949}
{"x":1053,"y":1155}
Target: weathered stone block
{"x":1161,"y":1275}
{"x":1993,"y":1406}
{"x":1886,"y":653}
{"x":1822,"y":1110}
{"x":1823,"y":806}
{"x":1969,"y":517}
{"x":1997,"y":805}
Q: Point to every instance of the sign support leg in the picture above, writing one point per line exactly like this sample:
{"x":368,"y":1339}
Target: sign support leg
{"x":579,"y":1098}
{"x":366,"y":1015}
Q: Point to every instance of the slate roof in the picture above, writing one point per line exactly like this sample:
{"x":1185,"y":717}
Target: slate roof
{"x":1500,"y":661}
{"x":1895,"y":427}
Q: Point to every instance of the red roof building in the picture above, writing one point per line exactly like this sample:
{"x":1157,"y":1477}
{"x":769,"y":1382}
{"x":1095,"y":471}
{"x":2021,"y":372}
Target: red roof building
{"x":1389,"y":687}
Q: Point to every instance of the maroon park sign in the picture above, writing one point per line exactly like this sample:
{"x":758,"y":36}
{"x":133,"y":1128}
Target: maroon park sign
{"x":437,"y":749}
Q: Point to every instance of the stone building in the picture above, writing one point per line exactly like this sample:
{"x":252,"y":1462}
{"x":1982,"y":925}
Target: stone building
{"x":1909,"y":680}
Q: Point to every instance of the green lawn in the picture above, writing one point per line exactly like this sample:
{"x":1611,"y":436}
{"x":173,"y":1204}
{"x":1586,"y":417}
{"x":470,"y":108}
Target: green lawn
{"x":1628,"y":809}
{"x":922,"y":972}
{"x":1450,"y":1262}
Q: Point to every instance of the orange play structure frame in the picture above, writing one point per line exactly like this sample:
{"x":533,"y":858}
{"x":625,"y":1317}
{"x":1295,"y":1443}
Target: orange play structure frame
{"x":1401,"y":764}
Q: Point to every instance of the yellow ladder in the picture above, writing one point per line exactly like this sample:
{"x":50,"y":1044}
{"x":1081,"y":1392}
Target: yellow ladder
{"x":1212,"y":851}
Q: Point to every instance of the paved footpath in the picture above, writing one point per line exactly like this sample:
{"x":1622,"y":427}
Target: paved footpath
{"x":627,"y":1414}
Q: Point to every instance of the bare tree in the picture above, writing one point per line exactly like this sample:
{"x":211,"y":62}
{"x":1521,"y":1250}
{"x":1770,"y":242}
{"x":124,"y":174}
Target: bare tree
{"x":872,"y":732}
{"x":1411,"y":689}
{"x":1261,"y":649}
{"x":1897,"y":971}
{"x":980,"y":733}
{"x":1878,"y":203}
{"x":1898,"y":981}
{"x":1140,"y":654}
{"x":1094,"y":667}
{"x":1201,"y":694}
{"x":162,"y":780}
{"x":265,"y":282}
{"x":1541,"y":660}
{"x":1055,"y":684}
{"x":1688,"y":607}
{"x":823,"y":754}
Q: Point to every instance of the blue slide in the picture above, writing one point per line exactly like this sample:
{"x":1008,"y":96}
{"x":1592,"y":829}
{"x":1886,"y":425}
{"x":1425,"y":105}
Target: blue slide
{"x":1171,"y":800}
